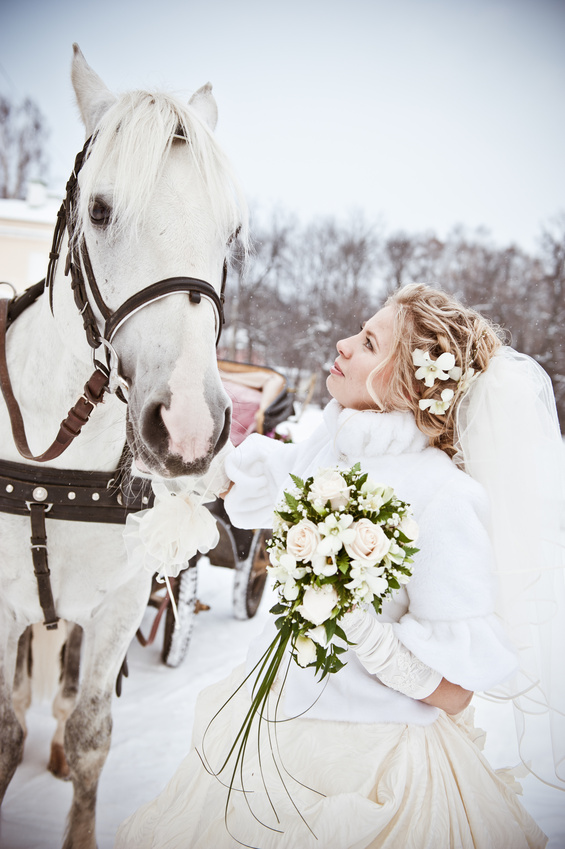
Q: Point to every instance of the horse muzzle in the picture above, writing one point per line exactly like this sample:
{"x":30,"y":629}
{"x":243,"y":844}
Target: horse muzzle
{"x":167,"y":446}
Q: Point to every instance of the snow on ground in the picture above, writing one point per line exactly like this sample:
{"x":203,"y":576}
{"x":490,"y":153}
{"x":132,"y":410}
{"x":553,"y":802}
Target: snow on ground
{"x":153,"y":721}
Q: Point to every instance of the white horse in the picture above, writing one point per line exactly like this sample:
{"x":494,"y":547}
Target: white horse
{"x":155,"y":200}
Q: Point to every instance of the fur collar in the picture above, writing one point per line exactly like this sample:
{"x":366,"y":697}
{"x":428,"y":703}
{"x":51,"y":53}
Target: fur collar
{"x":371,"y":434}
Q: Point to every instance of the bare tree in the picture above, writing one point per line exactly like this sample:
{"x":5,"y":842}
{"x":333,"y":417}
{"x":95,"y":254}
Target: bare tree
{"x":399,"y":251}
{"x":256,"y":305}
{"x":23,"y":132}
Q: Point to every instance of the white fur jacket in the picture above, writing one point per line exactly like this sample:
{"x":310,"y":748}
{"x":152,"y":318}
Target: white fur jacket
{"x":444,"y":615}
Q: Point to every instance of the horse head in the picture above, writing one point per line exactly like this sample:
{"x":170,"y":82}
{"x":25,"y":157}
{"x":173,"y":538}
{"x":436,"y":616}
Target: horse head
{"x":155,"y":199}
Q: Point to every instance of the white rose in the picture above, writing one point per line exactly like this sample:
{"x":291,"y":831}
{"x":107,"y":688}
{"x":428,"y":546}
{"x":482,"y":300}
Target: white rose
{"x":409,"y":528}
{"x":329,"y":485}
{"x":303,"y":539}
{"x":318,"y":603}
{"x":371,"y":543}
{"x":305,"y":651}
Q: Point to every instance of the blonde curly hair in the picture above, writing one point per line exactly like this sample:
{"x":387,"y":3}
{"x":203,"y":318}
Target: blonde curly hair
{"x":436,"y":323}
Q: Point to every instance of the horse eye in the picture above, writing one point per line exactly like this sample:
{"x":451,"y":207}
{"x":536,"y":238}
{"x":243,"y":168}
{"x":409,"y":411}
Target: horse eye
{"x":99,"y":212}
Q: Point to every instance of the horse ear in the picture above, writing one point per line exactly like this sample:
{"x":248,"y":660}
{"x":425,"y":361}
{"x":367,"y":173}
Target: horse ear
{"x":93,"y":97}
{"x":202,"y":101}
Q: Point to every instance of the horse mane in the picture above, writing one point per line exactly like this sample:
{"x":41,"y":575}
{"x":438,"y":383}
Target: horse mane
{"x":135,"y":136}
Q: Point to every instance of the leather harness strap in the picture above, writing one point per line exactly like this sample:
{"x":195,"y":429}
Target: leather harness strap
{"x":77,"y":416}
{"x":40,"y":565}
{"x":100,"y":302}
{"x":74,"y":495}
{"x":21,"y":302}
{"x":191,"y":285}
{"x":70,"y":495}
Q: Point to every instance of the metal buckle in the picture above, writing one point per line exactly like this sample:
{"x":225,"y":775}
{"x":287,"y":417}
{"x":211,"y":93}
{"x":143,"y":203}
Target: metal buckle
{"x":116,"y":381}
{"x":47,"y":505}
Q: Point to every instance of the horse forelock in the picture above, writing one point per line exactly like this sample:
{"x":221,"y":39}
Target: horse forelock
{"x":133,"y":141}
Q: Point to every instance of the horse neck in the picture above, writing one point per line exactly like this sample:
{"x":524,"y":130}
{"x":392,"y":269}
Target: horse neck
{"x":48,"y":378}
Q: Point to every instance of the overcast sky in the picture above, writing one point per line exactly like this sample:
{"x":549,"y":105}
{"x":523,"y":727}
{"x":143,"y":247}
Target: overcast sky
{"x":421,"y":113}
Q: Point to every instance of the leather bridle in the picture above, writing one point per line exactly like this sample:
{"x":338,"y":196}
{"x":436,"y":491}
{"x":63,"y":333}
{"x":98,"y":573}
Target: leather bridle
{"x":79,"y":258}
{"x":106,"y":376}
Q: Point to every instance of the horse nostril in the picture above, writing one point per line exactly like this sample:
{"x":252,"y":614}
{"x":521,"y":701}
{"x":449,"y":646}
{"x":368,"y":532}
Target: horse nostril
{"x":225,"y":434}
{"x":153,"y":430}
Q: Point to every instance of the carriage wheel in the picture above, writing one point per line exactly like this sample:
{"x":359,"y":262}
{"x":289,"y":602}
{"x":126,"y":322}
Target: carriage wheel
{"x":176,"y":640}
{"x":250,"y":578}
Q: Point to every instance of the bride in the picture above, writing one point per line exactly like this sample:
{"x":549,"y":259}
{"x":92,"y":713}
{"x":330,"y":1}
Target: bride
{"x":384,"y":753}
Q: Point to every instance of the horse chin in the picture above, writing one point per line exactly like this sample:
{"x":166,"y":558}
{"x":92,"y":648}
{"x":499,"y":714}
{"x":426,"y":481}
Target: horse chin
{"x":169,"y":466}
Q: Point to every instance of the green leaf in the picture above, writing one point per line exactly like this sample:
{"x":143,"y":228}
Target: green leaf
{"x":377,"y":605}
{"x":286,"y":517}
{"x":342,"y":561}
{"x":330,"y":626}
{"x":298,"y":481}
{"x":292,"y":502}
{"x":339,"y":632}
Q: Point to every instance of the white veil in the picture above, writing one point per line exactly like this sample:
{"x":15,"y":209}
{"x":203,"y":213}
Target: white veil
{"x":509,"y":440}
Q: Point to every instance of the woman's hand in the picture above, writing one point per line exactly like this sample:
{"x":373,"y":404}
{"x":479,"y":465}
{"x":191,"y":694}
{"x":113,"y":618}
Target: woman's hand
{"x":225,"y":492}
{"x":449,"y":697}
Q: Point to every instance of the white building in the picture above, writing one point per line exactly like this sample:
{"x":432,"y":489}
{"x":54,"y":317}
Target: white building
{"x":26,"y":233}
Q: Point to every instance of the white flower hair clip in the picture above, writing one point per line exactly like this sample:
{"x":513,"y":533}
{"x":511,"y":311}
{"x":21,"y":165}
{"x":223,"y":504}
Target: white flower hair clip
{"x":443,"y":368}
{"x":438,"y":406}
{"x":429,"y":370}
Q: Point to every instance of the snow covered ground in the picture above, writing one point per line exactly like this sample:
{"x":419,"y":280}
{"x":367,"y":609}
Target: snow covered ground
{"x":153,"y":720}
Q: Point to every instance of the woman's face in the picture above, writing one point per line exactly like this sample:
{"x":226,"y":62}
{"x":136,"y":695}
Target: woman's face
{"x":357,"y":357}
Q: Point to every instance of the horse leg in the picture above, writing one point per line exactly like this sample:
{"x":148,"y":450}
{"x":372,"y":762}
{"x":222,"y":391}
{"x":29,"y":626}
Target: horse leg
{"x":22,"y":679}
{"x":65,"y":701}
{"x":88,"y":729}
{"x":11,"y":731}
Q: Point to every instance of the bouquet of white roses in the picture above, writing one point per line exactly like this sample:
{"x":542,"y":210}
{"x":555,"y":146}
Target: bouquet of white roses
{"x":339,"y":540}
